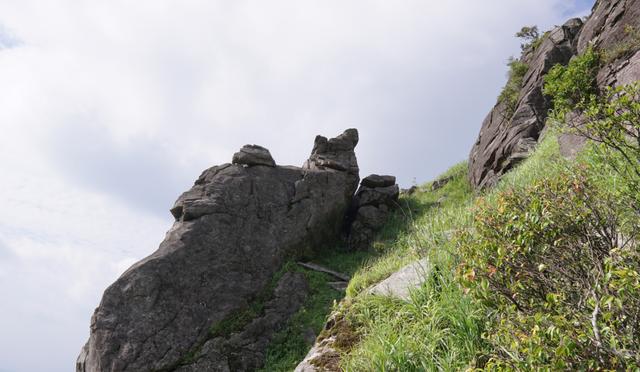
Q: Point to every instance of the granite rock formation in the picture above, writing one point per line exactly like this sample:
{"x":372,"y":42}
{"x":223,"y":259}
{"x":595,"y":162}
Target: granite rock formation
{"x":233,"y":231}
{"x":502,"y":139}
{"x":503,"y":135}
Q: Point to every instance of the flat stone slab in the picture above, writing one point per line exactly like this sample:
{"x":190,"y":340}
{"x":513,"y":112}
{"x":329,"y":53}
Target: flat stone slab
{"x":402,"y":282}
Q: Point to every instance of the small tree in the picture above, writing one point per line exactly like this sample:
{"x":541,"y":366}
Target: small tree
{"x":529,"y":35}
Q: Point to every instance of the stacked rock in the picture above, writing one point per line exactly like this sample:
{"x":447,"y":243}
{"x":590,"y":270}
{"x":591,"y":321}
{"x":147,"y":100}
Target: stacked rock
{"x":251,"y":155}
{"x":372,"y":203}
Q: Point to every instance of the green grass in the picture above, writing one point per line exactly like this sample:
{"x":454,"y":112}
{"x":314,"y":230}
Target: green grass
{"x":511,"y":91}
{"x":289,"y":346}
{"x":441,"y":327}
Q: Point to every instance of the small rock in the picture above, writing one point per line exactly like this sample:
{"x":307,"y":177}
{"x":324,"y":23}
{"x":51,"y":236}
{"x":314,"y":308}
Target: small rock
{"x":253,"y":155}
{"x":438,"y":184}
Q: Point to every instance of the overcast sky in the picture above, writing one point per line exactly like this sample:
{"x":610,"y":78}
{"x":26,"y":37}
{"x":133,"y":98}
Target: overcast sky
{"x":110,"y":109}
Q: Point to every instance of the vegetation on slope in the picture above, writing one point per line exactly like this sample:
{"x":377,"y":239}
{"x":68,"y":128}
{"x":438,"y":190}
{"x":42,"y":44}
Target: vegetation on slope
{"x":511,"y":91}
{"x":541,"y":272}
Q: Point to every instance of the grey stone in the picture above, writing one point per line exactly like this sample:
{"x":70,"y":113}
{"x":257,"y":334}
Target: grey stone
{"x":605,"y":26}
{"x":234,"y":230}
{"x":497,"y":149}
{"x":375,"y":180}
{"x":253,"y":155}
{"x":245,"y":351}
{"x":370,"y":210}
{"x":323,"y":356}
{"x":402,"y":282}
{"x":440,"y":183}
{"x":377,"y":196}
{"x":371,"y":216}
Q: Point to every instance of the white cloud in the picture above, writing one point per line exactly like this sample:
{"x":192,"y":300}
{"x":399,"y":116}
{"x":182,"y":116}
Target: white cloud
{"x":111,"y":109}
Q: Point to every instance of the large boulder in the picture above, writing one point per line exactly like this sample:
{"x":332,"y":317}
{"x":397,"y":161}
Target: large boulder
{"x":233,"y":231}
{"x":501,"y":139}
{"x":503,"y":135}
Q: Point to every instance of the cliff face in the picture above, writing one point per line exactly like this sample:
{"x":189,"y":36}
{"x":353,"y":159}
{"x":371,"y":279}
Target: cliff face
{"x":505,"y":139}
{"x":233,"y":231}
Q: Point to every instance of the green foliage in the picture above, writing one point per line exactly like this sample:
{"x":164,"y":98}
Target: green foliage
{"x":555,"y":268}
{"x":530,"y":37}
{"x":573,"y":86}
{"x":614,"y":120}
{"x":511,"y":90}
{"x":289,"y":346}
{"x":440,"y":327}
{"x":629,"y":45}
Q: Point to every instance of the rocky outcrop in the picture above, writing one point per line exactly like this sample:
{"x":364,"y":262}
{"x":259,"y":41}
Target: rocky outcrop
{"x":606,"y":25}
{"x":180,"y":308}
{"x":372,"y":203}
{"x":606,"y":29}
{"x":502,"y":139}
{"x":502,"y":135}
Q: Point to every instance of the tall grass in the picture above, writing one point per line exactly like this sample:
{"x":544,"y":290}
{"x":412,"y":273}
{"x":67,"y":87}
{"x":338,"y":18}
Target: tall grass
{"x":440,"y":327}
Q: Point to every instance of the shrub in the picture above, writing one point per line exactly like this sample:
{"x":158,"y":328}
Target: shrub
{"x":556,"y":269}
{"x":511,"y":91}
{"x":614,"y":120}
{"x":573,"y":86}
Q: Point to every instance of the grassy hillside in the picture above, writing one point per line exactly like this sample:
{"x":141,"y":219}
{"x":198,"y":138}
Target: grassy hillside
{"x":541,"y":272}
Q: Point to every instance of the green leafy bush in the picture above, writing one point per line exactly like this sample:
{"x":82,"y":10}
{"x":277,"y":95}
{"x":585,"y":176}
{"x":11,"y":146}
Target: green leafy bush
{"x":511,"y":90}
{"x":573,"y":86}
{"x":614,"y":120}
{"x":556,"y":268}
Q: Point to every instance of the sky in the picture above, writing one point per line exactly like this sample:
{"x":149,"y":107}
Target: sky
{"x":110,"y":109}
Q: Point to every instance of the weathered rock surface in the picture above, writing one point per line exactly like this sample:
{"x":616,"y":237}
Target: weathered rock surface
{"x":605,"y":26}
{"x":497,"y":148}
{"x":244,"y":351}
{"x":324,"y":355}
{"x":253,"y":155}
{"x":502,"y":136}
{"x":334,"y":153}
{"x":400,"y":284}
{"x":234,"y":229}
{"x":372,"y":203}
